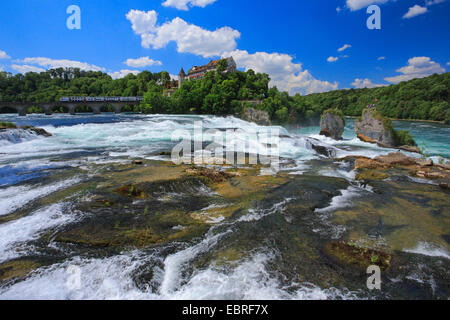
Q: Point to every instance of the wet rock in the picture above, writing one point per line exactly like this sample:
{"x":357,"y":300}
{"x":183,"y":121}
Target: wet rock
{"x":213,"y":175}
{"x":38,"y":131}
{"x":372,"y":128}
{"x":354,"y":255}
{"x":396,"y":158}
{"x":418,"y":167}
{"x":260,"y":117}
{"x":332,"y":125}
{"x":414,"y":149}
{"x":443,"y":185}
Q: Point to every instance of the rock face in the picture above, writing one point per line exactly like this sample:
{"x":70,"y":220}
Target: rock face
{"x":332,"y":126}
{"x":259,"y":117}
{"x":372,"y":129}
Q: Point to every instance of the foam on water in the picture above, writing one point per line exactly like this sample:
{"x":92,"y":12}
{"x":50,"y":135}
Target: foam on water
{"x":112,"y":278}
{"x":12,"y":136}
{"x":429,"y":249}
{"x":14,"y":234}
{"x":13,"y":198}
{"x":341,"y":201}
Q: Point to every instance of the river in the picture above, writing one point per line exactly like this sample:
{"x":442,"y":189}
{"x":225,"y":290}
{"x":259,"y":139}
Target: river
{"x":33,"y":168}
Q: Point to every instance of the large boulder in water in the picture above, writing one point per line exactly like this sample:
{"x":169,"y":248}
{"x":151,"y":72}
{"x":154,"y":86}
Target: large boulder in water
{"x":372,"y":127}
{"x":332,"y":124}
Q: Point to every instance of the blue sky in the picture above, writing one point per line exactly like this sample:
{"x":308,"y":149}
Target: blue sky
{"x":296,"y":42}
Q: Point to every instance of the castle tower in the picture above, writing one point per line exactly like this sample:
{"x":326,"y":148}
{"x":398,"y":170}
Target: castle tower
{"x":181,"y":77}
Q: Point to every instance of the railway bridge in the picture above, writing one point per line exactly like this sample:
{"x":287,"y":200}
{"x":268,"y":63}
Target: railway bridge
{"x":95,"y":104}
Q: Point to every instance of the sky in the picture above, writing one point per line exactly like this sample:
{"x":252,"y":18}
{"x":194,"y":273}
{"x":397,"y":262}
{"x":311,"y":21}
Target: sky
{"x":305,"y":46}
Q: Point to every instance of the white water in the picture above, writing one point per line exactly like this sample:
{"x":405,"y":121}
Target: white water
{"x":14,"y":234}
{"x":13,"y":198}
{"x":429,"y":249}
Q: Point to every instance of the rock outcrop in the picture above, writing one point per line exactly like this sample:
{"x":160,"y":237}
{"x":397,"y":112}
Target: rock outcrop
{"x":259,"y":117}
{"x":332,"y":125}
{"x":14,"y":134}
{"x":371,"y":127}
{"x":416,"y":167}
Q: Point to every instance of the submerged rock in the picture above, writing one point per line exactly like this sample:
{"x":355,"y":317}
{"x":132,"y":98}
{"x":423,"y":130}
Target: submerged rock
{"x":332,"y":125}
{"x":354,"y":255}
{"x":13,"y":134}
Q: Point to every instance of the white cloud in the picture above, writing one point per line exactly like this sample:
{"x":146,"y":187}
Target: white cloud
{"x":183,"y":4}
{"x":344,"y":47}
{"x":142,"y":62}
{"x":418,"y":67}
{"x":338,"y":9}
{"x":188,"y":37}
{"x":284,"y":73}
{"x":3,"y":55}
{"x":122,"y":73}
{"x":354,"y":5}
{"x":381,"y":58}
{"x":448,"y":63}
{"x":63,"y":63}
{"x":141,"y":21}
{"x":365,"y":83}
{"x":433,"y":2}
{"x":26,"y":68}
{"x":332,"y":59}
{"x":415,"y":11}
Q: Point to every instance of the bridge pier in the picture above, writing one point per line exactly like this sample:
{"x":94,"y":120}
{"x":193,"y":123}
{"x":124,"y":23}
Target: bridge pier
{"x":117,"y":107}
{"x":96,"y":108}
{"x":71,"y":108}
{"x":47,"y":109}
{"x":22,"y":110}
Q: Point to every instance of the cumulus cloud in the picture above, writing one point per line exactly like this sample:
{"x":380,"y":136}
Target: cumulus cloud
{"x":284,"y":73}
{"x":448,"y":63}
{"x":183,"y":4}
{"x":63,"y":63}
{"x":365,"y":83}
{"x":415,"y":11}
{"x":381,"y":58}
{"x":26,"y":68}
{"x":332,"y":59}
{"x":344,"y":47}
{"x":188,"y":37}
{"x":3,"y":55}
{"x":122,"y":73}
{"x":354,"y":5}
{"x":142,"y":22}
{"x":418,"y":67}
{"x":142,"y":62}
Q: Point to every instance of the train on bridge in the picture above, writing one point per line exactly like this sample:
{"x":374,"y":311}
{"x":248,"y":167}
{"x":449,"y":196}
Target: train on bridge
{"x":101,"y":99}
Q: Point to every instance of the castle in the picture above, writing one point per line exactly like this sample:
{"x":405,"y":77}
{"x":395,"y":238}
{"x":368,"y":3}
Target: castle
{"x":199,"y":72}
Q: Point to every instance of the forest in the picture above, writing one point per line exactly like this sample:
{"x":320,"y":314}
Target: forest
{"x":220,"y":93}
